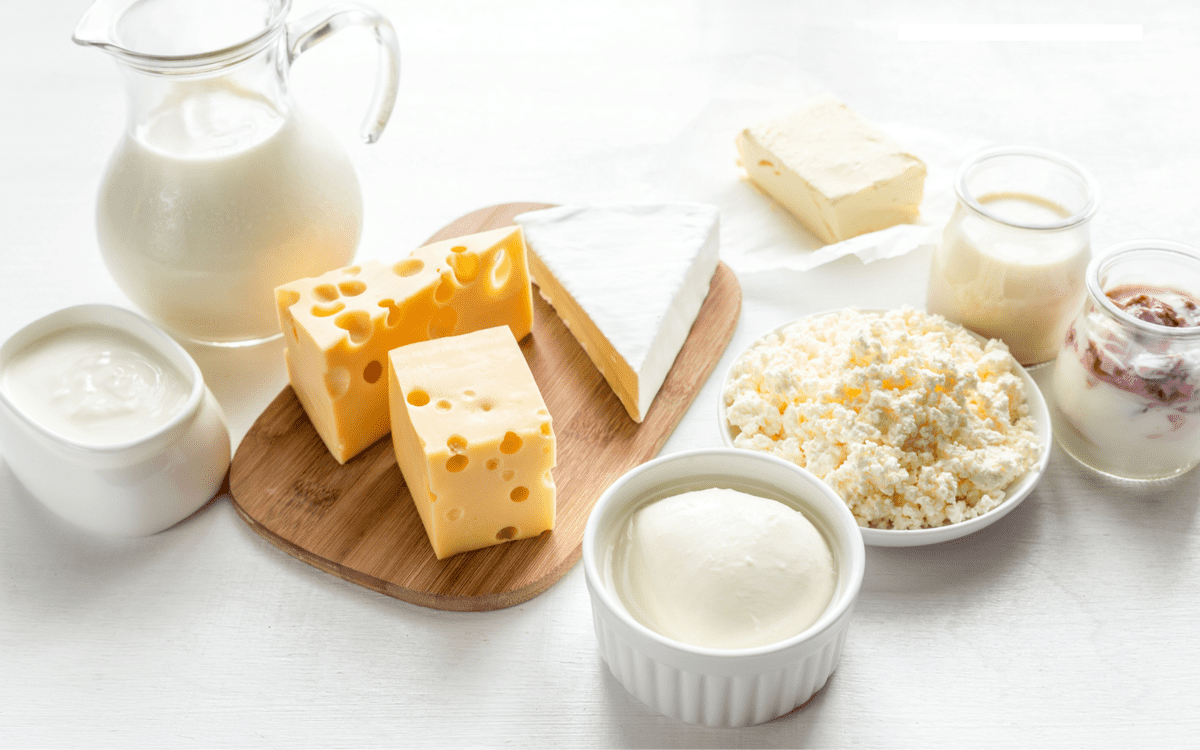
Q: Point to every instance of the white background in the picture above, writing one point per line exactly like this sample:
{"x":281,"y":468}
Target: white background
{"x":1072,"y":622}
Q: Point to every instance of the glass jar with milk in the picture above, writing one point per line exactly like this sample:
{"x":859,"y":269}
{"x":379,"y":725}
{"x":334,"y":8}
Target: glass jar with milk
{"x":1012,"y":258}
{"x":221,"y":188}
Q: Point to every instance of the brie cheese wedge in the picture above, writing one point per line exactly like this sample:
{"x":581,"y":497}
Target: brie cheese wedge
{"x":628,"y":281}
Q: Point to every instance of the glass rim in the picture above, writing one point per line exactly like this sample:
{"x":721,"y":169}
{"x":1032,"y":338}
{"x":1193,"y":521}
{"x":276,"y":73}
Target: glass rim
{"x":193,"y":62}
{"x":1078,"y":218}
{"x":1123,"y":249}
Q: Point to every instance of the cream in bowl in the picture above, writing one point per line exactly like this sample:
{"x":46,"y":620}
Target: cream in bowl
{"x":722,"y":583}
{"x":107,"y":421}
{"x":721,"y":568}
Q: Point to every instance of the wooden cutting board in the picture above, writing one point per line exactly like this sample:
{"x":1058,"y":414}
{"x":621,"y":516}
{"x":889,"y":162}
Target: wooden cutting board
{"x":358,"y":522}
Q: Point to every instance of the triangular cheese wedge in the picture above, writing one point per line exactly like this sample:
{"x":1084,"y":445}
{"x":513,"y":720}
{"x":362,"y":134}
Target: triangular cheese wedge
{"x":628,"y":281}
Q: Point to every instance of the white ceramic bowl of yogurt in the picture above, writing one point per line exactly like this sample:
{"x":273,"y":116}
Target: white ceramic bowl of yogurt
{"x":1016,"y":492}
{"x":107,"y":421}
{"x":729,"y":687}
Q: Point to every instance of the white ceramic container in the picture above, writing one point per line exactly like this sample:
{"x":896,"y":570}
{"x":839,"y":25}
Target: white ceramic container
{"x":720,"y":687}
{"x":1016,"y":493}
{"x":131,"y":488}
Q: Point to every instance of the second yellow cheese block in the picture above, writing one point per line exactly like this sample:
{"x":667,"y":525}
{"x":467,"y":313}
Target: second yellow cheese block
{"x":340,"y":326}
{"x":473,"y":439}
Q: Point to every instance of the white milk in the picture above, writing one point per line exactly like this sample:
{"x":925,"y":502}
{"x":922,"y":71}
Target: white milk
{"x":1019,"y":285}
{"x":94,"y":385}
{"x":215,"y":201}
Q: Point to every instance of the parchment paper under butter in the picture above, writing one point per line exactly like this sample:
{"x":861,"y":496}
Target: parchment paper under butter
{"x":757,"y":234}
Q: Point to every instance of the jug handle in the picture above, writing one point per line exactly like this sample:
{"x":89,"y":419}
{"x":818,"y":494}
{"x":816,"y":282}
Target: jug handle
{"x":306,"y":32}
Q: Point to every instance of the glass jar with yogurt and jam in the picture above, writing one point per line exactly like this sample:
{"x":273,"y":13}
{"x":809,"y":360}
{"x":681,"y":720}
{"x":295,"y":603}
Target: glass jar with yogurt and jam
{"x":1012,"y":257}
{"x":1126,"y":385}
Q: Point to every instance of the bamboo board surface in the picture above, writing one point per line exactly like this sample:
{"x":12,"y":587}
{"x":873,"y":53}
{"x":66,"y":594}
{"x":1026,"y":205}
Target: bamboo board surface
{"x":357,"y":521}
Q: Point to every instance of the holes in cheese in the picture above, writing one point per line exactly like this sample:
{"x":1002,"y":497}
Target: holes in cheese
{"x":443,"y":405}
{"x":545,"y":428}
{"x":432,"y":294}
{"x":393,"y":315}
{"x":501,"y":268}
{"x":511,"y":443}
{"x":458,"y":249}
{"x":498,"y":461}
{"x":418,"y":398}
{"x":486,"y":404}
{"x":324,"y":311}
{"x":465,"y":265}
{"x":445,"y":289}
{"x":410,"y":267}
{"x":357,"y":323}
{"x":372,"y":371}
{"x":454,"y":514}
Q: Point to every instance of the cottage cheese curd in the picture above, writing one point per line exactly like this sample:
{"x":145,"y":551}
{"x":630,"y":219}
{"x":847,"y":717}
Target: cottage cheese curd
{"x":908,"y":417}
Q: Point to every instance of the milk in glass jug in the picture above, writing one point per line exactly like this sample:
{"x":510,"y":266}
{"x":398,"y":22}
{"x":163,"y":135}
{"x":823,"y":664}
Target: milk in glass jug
{"x":221,"y":188}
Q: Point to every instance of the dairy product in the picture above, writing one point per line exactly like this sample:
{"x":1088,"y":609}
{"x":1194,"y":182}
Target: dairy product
{"x":836,"y":173}
{"x":1127,"y":402}
{"x":723,"y":569}
{"x":909,"y":418}
{"x":628,"y":281}
{"x":95,"y":385}
{"x":473,"y":439}
{"x":218,"y":198}
{"x":340,"y":326}
{"x":1010,"y":282}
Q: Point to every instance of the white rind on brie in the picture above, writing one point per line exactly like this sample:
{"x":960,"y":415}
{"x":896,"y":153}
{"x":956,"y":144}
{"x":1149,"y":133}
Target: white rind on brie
{"x":628,"y":281}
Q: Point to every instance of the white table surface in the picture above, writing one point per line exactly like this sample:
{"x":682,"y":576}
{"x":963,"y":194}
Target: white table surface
{"x":1072,"y":622}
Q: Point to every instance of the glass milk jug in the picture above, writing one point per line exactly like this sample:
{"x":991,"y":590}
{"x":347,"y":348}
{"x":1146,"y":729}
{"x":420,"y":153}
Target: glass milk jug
{"x":221,"y":188}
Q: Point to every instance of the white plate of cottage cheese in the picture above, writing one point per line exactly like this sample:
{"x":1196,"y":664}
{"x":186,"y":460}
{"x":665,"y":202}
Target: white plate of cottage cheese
{"x":926,"y":430}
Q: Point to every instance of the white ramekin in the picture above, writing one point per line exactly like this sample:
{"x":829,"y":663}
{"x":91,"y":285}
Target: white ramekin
{"x":135,"y":488}
{"x":718,"y":687}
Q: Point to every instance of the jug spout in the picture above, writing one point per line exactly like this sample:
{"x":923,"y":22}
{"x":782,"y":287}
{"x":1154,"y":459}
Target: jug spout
{"x":95,"y":28}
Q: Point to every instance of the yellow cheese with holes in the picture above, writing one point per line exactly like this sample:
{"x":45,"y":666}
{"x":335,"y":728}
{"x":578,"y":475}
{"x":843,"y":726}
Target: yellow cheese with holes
{"x":340,"y":326}
{"x":473,"y":439}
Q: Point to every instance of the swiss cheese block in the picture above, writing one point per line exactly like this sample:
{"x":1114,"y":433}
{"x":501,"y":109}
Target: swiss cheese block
{"x":473,"y":439}
{"x":839,"y":175}
{"x":340,"y":326}
{"x":628,"y":281}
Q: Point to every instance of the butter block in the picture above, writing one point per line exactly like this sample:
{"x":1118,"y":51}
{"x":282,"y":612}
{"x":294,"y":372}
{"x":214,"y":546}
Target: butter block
{"x":473,"y":439}
{"x":839,"y":175}
{"x":628,"y":281}
{"x":340,"y":326}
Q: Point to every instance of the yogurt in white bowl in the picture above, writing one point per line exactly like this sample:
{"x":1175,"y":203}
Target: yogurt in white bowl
{"x":107,"y":421}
